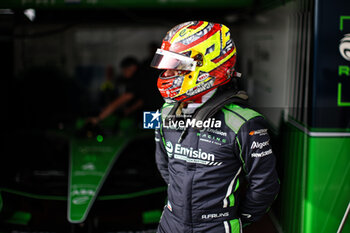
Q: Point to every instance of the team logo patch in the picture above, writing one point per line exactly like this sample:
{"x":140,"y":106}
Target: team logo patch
{"x":169,"y":148}
{"x":344,"y":47}
{"x":190,"y":155}
{"x":183,"y":32}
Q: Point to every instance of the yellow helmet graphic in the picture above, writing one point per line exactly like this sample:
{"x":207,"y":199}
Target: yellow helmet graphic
{"x":201,"y":55}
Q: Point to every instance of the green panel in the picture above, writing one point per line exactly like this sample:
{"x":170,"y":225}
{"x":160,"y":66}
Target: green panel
{"x":232,"y":120}
{"x":246,"y":113}
{"x":328,"y":184}
{"x":1,"y":203}
{"x":101,"y":198}
{"x":91,"y":161}
{"x":292,"y":186}
{"x":124,"y":3}
{"x":315,"y":182}
{"x":235,"y":226}
{"x":151,"y":216}
{"x":19,"y":217}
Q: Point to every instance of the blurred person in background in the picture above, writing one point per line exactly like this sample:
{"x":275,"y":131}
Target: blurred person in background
{"x":203,"y":164}
{"x":131,"y":99}
{"x":108,"y":90}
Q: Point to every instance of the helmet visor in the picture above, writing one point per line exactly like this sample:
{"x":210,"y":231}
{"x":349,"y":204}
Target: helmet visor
{"x":164,"y":59}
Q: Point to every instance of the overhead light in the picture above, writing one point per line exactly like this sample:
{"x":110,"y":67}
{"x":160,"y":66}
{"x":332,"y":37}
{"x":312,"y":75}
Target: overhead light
{"x":6,"y":12}
{"x":30,"y":13}
{"x":232,"y":18}
{"x":261,"y":19}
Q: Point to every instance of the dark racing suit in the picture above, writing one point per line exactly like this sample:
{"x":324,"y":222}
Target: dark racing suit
{"x":202,"y":168}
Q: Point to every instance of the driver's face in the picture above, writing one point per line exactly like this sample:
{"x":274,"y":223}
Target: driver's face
{"x":170,"y":73}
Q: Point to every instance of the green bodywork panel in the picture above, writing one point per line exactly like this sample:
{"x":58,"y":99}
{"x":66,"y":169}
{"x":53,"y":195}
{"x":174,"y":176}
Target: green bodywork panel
{"x":20,"y":217}
{"x":90,"y":163}
{"x":151,"y":216}
{"x":316,"y":182}
{"x":100,"y":197}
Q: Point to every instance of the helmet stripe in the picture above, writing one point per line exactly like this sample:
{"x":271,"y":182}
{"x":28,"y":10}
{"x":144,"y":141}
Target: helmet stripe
{"x":223,"y":55}
{"x":197,"y":35}
{"x":182,"y":47}
{"x":170,"y":35}
{"x":197,"y":25}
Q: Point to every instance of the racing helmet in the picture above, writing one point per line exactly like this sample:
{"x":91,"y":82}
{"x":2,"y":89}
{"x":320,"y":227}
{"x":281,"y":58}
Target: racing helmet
{"x":202,"y":53}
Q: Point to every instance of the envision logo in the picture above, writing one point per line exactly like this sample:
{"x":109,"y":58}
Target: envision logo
{"x":344,"y":47}
{"x":169,"y":148}
{"x":80,"y":200}
{"x":190,"y":155}
{"x":88,"y":166}
{"x":81,"y":196}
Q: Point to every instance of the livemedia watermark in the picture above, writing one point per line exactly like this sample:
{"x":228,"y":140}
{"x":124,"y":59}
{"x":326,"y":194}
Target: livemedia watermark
{"x":152,"y":120}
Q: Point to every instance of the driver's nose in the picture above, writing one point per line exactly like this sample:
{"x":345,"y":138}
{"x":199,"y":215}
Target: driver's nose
{"x":170,"y":73}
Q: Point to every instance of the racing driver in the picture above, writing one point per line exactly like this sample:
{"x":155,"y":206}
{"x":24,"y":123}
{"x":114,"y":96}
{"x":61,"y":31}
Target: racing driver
{"x":209,"y":139}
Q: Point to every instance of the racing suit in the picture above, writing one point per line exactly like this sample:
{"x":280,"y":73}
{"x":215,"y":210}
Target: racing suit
{"x":202,"y":168}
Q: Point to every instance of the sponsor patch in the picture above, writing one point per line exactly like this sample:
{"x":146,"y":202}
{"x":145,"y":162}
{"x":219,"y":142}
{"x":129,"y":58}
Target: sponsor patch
{"x":259,"y":145}
{"x":202,"y":77}
{"x":201,"y":87}
{"x":169,"y":206}
{"x":216,"y":215}
{"x":215,"y":131}
{"x":262,"y":154}
{"x":258,"y":132}
{"x":191,"y":155}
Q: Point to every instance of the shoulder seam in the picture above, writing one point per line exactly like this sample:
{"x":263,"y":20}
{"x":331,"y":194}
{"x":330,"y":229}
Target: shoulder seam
{"x":236,"y":114}
{"x":165,"y":105}
{"x":236,"y":126}
{"x":239,"y":110}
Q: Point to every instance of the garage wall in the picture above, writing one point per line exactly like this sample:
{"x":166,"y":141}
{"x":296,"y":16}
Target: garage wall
{"x":67,"y":47}
{"x":263,"y":46}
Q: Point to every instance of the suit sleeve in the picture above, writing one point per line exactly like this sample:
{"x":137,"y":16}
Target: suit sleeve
{"x":259,"y":163}
{"x":161,"y":156}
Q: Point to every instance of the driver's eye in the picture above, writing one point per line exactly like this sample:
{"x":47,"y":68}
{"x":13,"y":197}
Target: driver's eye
{"x":171,"y":73}
{"x":181,"y":72}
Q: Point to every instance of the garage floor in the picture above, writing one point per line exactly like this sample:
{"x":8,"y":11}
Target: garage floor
{"x":264,"y":225}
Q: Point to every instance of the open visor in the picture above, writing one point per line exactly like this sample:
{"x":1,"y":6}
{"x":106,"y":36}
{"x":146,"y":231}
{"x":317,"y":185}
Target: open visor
{"x":172,"y":61}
